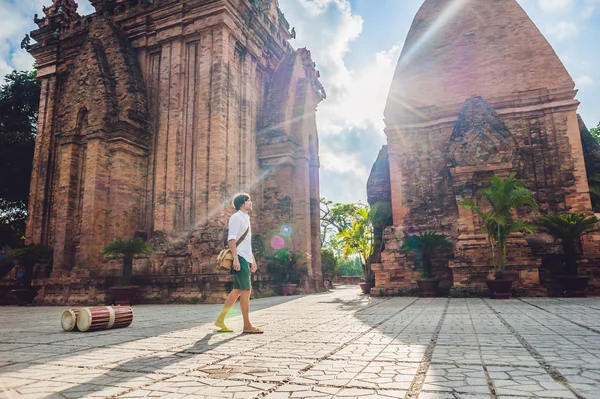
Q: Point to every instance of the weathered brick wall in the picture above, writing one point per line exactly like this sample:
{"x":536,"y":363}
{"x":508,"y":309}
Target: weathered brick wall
{"x":444,"y":142}
{"x":151,"y":120}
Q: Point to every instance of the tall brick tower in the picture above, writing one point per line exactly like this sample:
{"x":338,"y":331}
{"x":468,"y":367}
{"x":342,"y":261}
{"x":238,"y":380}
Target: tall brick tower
{"x":478,"y":90}
{"x":153,"y":114}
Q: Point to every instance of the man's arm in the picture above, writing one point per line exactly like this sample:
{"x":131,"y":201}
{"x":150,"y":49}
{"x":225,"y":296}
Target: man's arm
{"x":233,"y":249}
{"x":234,"y":227}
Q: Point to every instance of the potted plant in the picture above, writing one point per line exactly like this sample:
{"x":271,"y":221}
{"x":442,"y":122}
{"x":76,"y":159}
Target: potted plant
{"x":286,"y":259}
{"x":425,"y":245}
{"x":358,"y":240}
{"x":124,"y":293}
{"x":28,"y":256}
{"x":568,"y":229}
{"x":504,"y":196}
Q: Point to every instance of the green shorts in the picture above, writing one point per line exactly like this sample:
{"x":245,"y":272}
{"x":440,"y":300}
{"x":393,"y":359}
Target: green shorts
{"x":241,"y":278}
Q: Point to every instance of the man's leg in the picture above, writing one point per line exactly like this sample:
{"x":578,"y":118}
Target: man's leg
{"x":229,"y":302}
{"x":245,"y":306}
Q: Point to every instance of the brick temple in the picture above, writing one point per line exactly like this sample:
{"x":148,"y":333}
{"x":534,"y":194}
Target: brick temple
{"x":153,"y":114}
{"x":478,"y":90}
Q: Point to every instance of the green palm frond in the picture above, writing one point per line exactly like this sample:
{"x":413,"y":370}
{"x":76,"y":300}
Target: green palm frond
{"x":427,"y":242}
{"x":504,"y":197}
{"x":425,"y":246}
{"x":35,"y":252}
{"x":569,"y":226}
{"x":130,"y":247}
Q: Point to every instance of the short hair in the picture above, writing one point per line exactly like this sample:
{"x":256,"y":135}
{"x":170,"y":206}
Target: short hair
{"x":240,"y":200}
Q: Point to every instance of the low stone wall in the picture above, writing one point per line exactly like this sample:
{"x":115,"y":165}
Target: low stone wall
{"x":153,"y":289}
{"x":348,"y":280}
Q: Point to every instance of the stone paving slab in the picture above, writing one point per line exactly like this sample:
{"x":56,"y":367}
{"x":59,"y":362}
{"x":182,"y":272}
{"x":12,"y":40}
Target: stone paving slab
{"x":339,"y":344}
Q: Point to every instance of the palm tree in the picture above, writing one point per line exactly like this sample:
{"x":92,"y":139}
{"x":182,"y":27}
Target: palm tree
{"x":358,"y":240}
{"x":505,"y":196}
{"x":425,"y":245}
{"x":128,"y":249}
{"x":568,"y":229}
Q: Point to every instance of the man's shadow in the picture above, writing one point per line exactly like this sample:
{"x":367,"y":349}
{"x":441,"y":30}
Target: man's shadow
{"x":137,"y":367}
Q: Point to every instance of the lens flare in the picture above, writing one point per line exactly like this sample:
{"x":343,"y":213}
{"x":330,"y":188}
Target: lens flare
{"x":277,"y":242}
{"x":286,"y":231}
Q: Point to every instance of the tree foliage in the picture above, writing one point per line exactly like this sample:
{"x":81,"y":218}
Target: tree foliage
{"x":128,"y":249}
{"x":595,"y":131}
{"x":594,"y":183}
{"x":425,"y":245}
{"x":505,"y":196}
{"x":347,"y":230}
{"x":286,"y":259}
{"x":349,"y":267}
{"x":568,"y":229}
{"x":19,"y":102}
{"x":335,"y":218}
{"x":358,"y":240}
{"x":329,"y":263}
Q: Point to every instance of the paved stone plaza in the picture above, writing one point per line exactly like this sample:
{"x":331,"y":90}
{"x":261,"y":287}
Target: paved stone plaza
{"x":335,"y":345}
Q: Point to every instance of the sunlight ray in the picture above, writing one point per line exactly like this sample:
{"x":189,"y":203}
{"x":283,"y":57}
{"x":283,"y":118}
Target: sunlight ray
{"x":451,"y":10}
{"x":182,"y":236}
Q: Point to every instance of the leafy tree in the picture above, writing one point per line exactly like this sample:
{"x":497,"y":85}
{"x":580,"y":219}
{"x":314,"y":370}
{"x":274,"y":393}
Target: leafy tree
{"x":286,"y":259}
{"x":328,"y":263}
{"x":349,"y":267}
{"x":335,"y":218}
{"x":358,"y":240}
{"x":594,"y":182}
{"x":568,"y":229}
{"x":347,"y":230}
{"x":19,"y":102}
{"x":425,"y":246}
{"x":595,"y":131}
{"x":128,"y":249}
{"x":505,"y":196}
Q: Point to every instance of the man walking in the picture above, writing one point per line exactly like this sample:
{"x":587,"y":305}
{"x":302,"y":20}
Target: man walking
{"x":240,"y":244}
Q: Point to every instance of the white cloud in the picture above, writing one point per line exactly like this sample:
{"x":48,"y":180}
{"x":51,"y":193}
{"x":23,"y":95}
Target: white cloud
{"x":351,"y":118}
{"x":326,"y":27}
{"x":562,"y":30}
{"x":555,"y":6}
{"x":16,"y":20}
{"x":22,"y":60}
{"x":584,"y":81}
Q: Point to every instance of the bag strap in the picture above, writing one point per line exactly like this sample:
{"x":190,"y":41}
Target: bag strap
{"x":242,"y":237}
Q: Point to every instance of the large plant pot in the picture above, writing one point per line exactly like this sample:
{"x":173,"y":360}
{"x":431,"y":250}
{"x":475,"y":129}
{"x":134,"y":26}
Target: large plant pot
{"x":500,"y":288}
{"x":366,"y":287}
{"x":25,"y":296}
{"x":123,"y":296}
{"x":428,"y":287}
{"x":287,"y":289}
{"x":573,"y":286}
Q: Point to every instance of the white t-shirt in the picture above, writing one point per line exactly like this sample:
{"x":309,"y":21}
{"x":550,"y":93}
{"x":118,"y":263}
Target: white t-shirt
{"x":238,"y":222}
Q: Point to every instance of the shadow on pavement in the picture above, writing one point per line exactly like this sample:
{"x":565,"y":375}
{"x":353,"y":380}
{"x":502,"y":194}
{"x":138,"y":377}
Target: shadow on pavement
{"x":136,"y":368}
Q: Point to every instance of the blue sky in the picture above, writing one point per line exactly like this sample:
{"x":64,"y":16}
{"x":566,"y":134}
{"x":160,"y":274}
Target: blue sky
{"x":356,"y":45}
